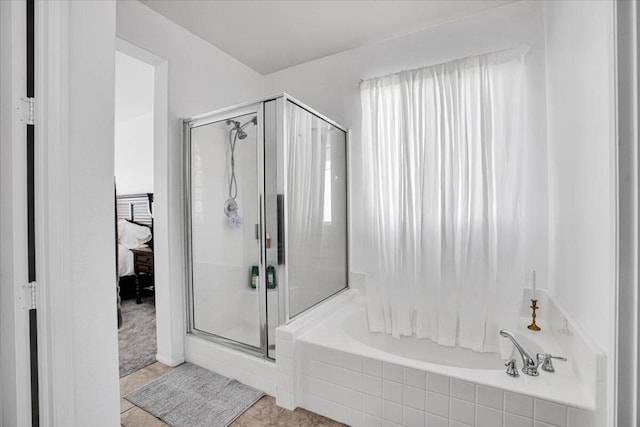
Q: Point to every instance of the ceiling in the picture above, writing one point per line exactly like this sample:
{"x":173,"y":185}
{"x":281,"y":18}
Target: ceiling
{"x":272,"y":35}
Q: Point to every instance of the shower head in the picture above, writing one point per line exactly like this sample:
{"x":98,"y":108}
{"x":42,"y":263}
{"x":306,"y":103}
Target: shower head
{"x":241,"y":133}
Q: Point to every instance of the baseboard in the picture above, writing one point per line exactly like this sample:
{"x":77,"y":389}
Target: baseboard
{"x":170,"y":362}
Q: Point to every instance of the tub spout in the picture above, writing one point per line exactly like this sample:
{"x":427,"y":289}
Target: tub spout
{"x":530,"y":365}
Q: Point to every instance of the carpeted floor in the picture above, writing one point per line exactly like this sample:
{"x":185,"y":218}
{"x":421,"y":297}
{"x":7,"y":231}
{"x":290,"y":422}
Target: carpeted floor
{"x":137,"y":336}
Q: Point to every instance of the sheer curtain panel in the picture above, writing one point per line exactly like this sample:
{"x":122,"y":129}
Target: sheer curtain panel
{"x":442,"y":153}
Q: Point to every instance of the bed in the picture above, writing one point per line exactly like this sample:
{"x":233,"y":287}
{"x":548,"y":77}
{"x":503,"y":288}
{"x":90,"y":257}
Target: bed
{"x":134,"y":219}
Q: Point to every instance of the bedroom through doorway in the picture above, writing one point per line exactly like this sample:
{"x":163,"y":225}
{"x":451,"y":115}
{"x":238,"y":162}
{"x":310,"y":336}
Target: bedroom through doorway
{"x":134,"y":192}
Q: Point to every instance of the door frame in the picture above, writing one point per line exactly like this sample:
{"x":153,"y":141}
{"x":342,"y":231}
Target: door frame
{"x":256,"y":108}
{"x":15,"y":388}
{"x":627,"y":346}
{"x":170,"y":324}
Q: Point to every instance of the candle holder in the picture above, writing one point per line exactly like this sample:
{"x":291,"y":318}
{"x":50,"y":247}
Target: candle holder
{"x":534,"y":307}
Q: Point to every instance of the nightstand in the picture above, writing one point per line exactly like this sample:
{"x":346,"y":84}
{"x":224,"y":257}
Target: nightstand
{"x":142,"y":264}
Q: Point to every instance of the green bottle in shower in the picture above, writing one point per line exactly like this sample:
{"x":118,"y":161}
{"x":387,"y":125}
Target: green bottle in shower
{"x":254,"y":277}
{"x":271,"y":277}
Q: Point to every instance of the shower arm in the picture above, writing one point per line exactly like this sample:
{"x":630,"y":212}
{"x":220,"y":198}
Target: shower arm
{"x":253,"y":120}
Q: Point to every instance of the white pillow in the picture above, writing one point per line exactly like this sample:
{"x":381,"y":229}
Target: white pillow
{"x":132,"y":235}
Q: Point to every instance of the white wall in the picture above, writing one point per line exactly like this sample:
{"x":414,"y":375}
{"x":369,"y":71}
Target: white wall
{"x":201,"y":78}
{"x":134,"y":125}
{"x":134,"y":155}
{"x":581,"y":135}
{"x":91,"y":30}
{"x":331,"y":85}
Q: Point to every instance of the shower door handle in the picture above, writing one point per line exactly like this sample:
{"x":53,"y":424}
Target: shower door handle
{"x":259,"y":230}
{"x":280,"y":209}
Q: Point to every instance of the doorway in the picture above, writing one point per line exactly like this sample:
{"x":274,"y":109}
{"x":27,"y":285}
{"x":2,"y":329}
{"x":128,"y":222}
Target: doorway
{"x":134,"y":179}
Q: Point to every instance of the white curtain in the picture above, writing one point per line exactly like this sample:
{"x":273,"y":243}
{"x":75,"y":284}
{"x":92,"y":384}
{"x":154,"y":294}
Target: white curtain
{"x":442,"y":149}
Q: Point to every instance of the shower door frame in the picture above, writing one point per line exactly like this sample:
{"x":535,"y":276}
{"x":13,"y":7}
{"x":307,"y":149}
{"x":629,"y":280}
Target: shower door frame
{"x":203,"y":120}
{"x":284,"y":140}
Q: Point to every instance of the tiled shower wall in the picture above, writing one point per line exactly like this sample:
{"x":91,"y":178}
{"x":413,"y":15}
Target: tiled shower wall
{"x":366,"y":392}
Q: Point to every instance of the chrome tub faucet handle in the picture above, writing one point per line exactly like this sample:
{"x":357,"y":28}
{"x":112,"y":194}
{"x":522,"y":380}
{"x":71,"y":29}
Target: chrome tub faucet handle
{"x":512,"y":369}
{"x":545,"y":360}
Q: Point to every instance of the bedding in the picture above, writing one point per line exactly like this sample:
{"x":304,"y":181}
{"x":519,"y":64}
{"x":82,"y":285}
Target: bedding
{"x":130,"y":236}
{"x":125,"y":261}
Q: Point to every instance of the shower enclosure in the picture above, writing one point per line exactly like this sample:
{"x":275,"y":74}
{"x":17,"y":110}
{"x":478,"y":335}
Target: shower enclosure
{"x":266,"y":219}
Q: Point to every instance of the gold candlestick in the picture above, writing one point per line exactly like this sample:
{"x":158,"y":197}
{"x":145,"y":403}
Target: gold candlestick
{"x":534,"y":307}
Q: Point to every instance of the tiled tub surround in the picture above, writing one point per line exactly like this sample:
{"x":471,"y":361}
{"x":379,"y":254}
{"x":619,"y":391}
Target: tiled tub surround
{"x":324,"y":365}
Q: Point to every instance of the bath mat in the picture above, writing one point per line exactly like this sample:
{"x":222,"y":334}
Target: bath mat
{"x":191,"y":396}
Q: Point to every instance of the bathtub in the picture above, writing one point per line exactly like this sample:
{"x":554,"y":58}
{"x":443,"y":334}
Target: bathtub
{"x":328,"y":362}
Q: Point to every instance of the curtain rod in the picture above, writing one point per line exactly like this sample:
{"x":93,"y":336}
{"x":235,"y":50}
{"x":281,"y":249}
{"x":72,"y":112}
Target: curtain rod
{"x":523,"y":50}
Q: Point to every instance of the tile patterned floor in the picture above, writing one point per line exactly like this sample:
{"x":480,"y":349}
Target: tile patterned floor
{"x":263,"y":413}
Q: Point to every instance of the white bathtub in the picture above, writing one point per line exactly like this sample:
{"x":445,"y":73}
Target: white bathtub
{"x":331,"y":364}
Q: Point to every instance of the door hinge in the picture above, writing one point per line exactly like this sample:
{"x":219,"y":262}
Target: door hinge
{"x":30,"y":296}
{"x":28,"y":110}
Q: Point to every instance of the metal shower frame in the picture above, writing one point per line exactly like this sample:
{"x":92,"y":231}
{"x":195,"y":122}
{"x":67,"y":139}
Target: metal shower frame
{"x":257,"y":108}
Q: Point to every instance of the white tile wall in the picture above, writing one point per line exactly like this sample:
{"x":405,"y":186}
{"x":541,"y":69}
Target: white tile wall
{"x":463,"y":390}
{"x":415,"y":378}
{"x":488,"y":417}
{"x":489,"y":396}
{"x":413,"y":417}
{"x":414,"y":397}
{"x":392,"y":412}
{"x":463,"y":411}
{"x":285,"y":381}
{"x":438,"y":404}
{"x":353,"y":379}
{"x":511,"y":420}
{"x":392,"y":372}
{"x":438,"y":383}
{"x":368,"y":420}
{"x":436,"y":421}
{"x":363,"y":392}
{"x":372,"y":367}
{"x":372,"y":405}
{"x":580,"y":417}
{"x":551,"y":413}
{"x":353,"y":399}
{"x":518,"y":404}
{"x":353,"y":362}
{"x":372,"y":385}
{"x":392,"y":391}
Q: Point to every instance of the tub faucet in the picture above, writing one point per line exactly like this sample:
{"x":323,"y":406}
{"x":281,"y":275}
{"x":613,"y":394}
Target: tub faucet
{"x":530,"y":365}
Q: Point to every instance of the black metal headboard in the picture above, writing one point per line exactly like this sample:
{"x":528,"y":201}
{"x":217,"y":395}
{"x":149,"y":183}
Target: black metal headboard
{"x":136,"y":207}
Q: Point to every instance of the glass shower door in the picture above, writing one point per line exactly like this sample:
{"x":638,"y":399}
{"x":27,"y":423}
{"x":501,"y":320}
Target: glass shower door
{"x":316,"y":184}
{"x":225,"y":240}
